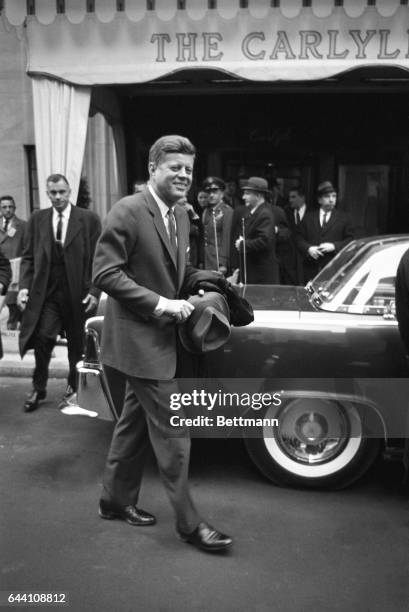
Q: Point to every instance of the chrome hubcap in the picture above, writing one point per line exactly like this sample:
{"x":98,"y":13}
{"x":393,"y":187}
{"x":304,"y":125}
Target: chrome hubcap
{"x":312,"y":431}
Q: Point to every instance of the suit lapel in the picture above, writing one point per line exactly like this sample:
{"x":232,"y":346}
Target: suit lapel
{"x":316,"y":222}
{"x":159,"y":224}
{"x":46,"y":231}
{"x":74,"y":226}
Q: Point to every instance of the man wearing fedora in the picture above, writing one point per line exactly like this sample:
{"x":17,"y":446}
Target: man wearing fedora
{"x":141,"y":262}
{"x":256,"y":243}
{"x":323,"y":232}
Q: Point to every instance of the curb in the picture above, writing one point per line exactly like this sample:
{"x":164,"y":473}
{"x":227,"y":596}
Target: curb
{"x":11,"y":365}
{"x":24,"y":371}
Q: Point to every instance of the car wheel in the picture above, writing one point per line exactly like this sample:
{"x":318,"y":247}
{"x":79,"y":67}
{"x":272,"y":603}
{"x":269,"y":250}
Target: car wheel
{"x":318,"y":443}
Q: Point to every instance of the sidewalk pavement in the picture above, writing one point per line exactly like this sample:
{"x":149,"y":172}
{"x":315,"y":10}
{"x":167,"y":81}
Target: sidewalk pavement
{"x":13,"y":365}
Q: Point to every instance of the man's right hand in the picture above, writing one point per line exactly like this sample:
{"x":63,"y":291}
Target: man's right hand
{"x":179,"y":309}
{"x":22,"y":298}
{"x":314,"y":252}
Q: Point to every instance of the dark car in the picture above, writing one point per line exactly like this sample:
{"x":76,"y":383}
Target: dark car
{"x":331,"y":353}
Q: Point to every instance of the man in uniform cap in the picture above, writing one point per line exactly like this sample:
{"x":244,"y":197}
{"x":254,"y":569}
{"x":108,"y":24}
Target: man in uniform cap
{"x":216,"y":222}
{"x":323,"y":232}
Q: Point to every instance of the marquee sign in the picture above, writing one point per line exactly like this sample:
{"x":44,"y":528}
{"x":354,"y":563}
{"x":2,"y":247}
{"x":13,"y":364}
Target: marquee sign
{"x":274,"y":48}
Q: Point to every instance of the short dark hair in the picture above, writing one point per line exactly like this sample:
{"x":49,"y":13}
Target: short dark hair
{"x":8,"y":197}
{"x":54,"y":178}
{"x":300,"y":190}
{"x":170,"y":144}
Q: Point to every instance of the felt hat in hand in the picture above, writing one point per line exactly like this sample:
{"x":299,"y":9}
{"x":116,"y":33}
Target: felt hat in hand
{"x":208,"y":327}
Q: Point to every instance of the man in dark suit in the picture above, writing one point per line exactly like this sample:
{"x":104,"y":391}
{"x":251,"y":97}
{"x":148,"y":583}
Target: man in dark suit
{"x":291,"y":261}
{"x":402,"y":299}
{"x":5,"y":278}
{"x":256,"y":245}
{"x":55,"y":284}
{"x":11,"y":241}
{"x":141,"y":262}
{"x":323,"y":232}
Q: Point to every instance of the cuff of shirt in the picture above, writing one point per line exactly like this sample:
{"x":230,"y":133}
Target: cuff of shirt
{"x":160,"y":306}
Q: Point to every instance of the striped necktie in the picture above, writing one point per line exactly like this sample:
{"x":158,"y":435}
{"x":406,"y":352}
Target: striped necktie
{"x":172,"y":231}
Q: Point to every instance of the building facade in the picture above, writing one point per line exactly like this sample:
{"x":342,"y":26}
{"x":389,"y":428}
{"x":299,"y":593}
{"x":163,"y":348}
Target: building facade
{"x":298,"y":91}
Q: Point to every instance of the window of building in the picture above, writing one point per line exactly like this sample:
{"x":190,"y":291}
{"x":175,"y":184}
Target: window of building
{"x":31,"y":161}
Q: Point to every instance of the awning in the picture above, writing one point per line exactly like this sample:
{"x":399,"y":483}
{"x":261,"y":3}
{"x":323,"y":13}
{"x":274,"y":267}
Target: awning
{"x":261,"y":43}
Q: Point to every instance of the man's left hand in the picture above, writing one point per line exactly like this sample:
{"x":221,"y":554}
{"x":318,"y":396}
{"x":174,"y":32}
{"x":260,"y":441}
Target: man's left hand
{"x":327,"y":247}
{"x":90,"y":302}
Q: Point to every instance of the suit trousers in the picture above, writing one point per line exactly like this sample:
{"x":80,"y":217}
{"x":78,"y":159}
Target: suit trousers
{"x":55,"y":316}
{"x":145,"y":416}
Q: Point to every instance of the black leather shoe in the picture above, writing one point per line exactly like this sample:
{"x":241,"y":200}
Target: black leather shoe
{"x":33,"y":400}
{"x":206,"y":538}
{"x":131,"y":514}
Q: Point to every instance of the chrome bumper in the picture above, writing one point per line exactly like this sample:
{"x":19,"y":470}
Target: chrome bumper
{"x":93,"y":392}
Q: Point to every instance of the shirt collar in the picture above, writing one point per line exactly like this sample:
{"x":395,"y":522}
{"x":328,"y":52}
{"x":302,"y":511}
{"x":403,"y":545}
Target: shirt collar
{"x":65,"y":213}
{"x":300,"y":211}
{"x":256,"y":207}
{"x":164,"y":208}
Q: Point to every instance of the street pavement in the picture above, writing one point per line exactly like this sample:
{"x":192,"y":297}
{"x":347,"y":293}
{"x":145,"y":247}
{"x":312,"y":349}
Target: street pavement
{"x":294,"y":550}
{"x":13,"y":365}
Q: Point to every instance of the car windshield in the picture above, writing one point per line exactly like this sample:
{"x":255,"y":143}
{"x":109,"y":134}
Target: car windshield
{"x":336,"y":273}
{"x":361,"y":278}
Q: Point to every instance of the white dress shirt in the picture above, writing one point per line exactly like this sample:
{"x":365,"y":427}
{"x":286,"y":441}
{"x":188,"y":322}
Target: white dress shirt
{"x":65,"y":216}
{"x":301,"y":212}
{"x":322,"y":214}
{"x":164,"y":209}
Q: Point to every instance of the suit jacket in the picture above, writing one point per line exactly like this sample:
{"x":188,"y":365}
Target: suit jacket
{"x":339,"y":230}
{"x":13,"y":246}
{"x":82,"y":233}
{"x":5,"y":278}
{"x":134,"y":264}
{"x":402,"y":299}
{"x":291,"y":260}
{"x":261,"y":259}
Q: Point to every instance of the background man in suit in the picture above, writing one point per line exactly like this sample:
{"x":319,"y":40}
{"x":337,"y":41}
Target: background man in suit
{"x":257,"y":246}
{"x":323,"y":232}
{"x":11,"y":242}
{"x":291,"y":261}
{"x":5,"y":277}
{"x":141,"y":261}
{"x":55,"y":281}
